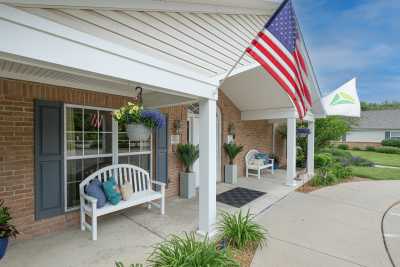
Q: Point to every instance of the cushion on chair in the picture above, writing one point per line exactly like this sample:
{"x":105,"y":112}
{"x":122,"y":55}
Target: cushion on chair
{"x":94,"y":189}
{"x":126,"y":191}
{"x":256,"y":162}
{"x":263,"y":156}
{"x":110,"y":190}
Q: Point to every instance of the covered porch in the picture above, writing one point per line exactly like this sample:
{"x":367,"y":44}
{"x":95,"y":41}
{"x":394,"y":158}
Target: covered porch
{"x":130,"y":235}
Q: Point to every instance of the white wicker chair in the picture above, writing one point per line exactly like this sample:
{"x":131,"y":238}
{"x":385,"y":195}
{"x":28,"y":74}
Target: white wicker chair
{"x":250,"y":156}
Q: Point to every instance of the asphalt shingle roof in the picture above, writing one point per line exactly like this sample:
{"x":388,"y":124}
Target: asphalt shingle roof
{"x":379,"y":119}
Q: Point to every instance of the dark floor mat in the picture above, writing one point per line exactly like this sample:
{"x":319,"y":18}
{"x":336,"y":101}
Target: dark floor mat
{"x":239,"y":196}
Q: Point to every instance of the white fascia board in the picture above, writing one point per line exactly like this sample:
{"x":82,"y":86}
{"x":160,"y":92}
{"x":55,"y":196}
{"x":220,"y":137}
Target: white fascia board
{"x":269,"y":114}
{"x":36,"y":38}
{"x":220,"y":77}
{"x":226,"y":7}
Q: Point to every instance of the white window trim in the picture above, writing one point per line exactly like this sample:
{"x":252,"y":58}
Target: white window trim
{"x":391,"y":137}
{"x":114,"y":155}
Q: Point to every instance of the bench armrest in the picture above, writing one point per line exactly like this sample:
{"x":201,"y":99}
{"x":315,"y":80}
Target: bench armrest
{"x":271,"y":161}
{"x":161,"y":184}
{"x":90,"y":199}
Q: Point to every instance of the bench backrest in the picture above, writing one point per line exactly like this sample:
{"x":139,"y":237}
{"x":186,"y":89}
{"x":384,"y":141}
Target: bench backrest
{"x":122,"y":173}
{"x":251,"y":155}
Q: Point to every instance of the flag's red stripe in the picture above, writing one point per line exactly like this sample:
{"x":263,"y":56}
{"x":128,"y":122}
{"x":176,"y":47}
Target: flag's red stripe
{"x":285,"y":58}
{"x":305,"y":88}
{"x":277,"y":78}
{"x":301,"y":60}
{"x":281,"y":69}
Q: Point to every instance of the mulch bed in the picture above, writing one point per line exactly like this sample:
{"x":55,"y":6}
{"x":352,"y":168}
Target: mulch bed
{"x":307,"y":187}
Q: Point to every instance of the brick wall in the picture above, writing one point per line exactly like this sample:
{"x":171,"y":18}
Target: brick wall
{"x":17,"y":148}
{"x":255,"y":134}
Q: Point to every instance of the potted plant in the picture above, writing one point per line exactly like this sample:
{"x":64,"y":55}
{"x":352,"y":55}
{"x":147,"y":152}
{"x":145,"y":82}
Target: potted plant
{"x":7,"y":230}
{"x":187,"y":154}
{"x":139,"y":121}
{"x":231,"y":169}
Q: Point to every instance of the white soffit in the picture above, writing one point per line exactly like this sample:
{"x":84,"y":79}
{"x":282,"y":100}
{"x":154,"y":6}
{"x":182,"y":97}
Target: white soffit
{"x":206,"y":43}
{"x":254,"y":90}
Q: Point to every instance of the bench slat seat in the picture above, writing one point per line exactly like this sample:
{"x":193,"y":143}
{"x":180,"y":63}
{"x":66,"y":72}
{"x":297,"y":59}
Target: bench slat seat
{"x":145,"y":191}
{"x":250,"y":156}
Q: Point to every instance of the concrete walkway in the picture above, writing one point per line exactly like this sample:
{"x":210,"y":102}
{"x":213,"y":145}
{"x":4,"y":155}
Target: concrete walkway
{"x":333,"y":226}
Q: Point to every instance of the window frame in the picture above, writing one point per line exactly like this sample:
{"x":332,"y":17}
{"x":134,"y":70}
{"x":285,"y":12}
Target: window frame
{"x":114,"y":154}
{"x":394,"y":137}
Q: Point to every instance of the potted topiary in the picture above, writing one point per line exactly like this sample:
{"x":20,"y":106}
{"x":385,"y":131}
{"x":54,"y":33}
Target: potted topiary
{"x":7,"y":230}
{"x":231,"y":169}
{"x":187,"y":154}
{"x":139,"y":121}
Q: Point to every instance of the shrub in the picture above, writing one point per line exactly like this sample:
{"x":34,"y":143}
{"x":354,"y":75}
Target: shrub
{"x":370,"y":148}
{"x":322,"y":160}
{"x":343,"y":146}
{"x":240,"y":230}
{"x":388,"y":150}
{"x":340,"y":171}
{"x":187,"y":154}
{"x":358,"y":161}
{"x":338,"y":154}
{"x":6,"y":229}
{"x":232,"y":149}
{"x":320,"y":180}
{"x":395,"y":143}
{"x":188,"y":251}
{"x":356,"y":148}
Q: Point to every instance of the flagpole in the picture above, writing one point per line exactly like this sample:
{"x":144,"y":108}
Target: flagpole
{"x":244,"y":52}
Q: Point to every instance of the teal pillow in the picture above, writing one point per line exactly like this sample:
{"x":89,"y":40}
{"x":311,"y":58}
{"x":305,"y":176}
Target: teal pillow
{"x":110,"y":189}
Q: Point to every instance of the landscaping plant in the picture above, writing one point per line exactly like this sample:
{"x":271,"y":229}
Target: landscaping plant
{"x":392,"y":142}
{"x":187,"y":154}
{"x":232,"y":150}
{"x":134,"y":113}
{"x":240,"y":231}
{"x":388,"y":150}
{"x":343,"y":146}
{"x":6,"y":228}
{"x":187,"y":251}
{"x":370,"y":148}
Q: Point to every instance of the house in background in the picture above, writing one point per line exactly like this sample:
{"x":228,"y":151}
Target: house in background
{"x":373,"y":127}
{"x":62,"y":65}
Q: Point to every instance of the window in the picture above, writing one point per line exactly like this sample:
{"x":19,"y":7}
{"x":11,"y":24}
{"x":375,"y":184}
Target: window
{"x":395,"y":135}
{"x":89,"y":147}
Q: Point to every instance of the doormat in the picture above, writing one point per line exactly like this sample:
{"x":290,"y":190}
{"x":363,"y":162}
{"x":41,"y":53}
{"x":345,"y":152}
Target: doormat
{"x":239,"y":196}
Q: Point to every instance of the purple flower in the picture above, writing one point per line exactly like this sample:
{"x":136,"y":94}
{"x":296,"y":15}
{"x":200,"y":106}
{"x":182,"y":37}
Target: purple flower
{"x":153,"y":118}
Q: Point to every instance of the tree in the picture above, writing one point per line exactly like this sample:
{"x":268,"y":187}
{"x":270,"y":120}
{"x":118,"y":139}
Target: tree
{"x":329,"y":129}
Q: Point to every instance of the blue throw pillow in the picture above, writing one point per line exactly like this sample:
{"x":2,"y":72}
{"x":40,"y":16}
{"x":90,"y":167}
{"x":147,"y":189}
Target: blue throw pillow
{"x":263,"y":156}
{"x":95,"y":190}
{"x":110,"y":189}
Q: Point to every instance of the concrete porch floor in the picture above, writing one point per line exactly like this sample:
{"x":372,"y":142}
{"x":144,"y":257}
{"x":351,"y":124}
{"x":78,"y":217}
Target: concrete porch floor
{"x":129,"y":236}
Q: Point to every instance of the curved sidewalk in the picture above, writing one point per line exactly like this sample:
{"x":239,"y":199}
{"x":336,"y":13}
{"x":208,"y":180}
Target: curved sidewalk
{"x":333,"y":226}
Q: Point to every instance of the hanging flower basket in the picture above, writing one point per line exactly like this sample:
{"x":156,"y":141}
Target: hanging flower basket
{"x":303,"y":132}
{"x":137,"y":131}
{"x":138,"y":121}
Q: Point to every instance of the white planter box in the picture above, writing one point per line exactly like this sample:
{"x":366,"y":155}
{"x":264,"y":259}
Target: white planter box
{"x":137,"y":131}
{"x":231,"y":174}
{"x":187,"y":185}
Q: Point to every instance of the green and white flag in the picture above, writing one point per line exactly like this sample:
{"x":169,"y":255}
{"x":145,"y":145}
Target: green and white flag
{"x":343,"y":101}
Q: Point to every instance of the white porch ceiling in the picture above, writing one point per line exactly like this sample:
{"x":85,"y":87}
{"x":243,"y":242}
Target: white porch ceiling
{"x":205,"y":43}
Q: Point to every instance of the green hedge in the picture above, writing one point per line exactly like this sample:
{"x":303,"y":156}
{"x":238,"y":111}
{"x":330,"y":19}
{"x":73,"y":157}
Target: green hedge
{"x":395,"y":143}
{"x":388,"y":150}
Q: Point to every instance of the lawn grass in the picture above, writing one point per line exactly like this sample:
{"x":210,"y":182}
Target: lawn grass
{"x":378,"y":158}
{"x":375,"y":173}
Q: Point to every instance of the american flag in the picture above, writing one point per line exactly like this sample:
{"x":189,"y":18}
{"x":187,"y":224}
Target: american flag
{"x":96,"y":120}
{"x":279,"y":50}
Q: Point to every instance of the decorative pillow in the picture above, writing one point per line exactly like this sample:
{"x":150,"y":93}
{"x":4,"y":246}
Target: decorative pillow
{"x":110,"y":189}
{"x":263,"y":156}
{"x":126,"y":191}
{"x":257,"y":162}
{"x":95,"y":190}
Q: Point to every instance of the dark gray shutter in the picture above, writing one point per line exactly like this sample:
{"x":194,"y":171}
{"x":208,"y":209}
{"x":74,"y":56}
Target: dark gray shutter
{"x":49,"y":162}
{"x":387,"y":135}
{"x":161,"y":147}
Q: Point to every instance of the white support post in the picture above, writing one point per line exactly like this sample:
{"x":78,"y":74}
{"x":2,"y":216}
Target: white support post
{"x":208,"y":167}
{"x":291,"y":152}
{"x":310,"y":148}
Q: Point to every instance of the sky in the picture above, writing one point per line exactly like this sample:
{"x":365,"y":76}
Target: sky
{"x":354,"y":38}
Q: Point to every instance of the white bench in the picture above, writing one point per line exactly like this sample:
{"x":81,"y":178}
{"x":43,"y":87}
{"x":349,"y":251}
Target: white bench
{"x":250,"y":156}
{"x":143,"y":192}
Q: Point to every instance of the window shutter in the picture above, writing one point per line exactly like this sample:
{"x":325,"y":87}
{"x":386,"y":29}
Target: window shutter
{"x":49,"y":163}
{"x":387,"y":135}
{"x":161,"y":145}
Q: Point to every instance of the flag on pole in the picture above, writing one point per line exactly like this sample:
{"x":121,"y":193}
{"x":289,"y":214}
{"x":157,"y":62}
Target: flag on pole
{"x":343,"y":101}
{"x":279,"y":50}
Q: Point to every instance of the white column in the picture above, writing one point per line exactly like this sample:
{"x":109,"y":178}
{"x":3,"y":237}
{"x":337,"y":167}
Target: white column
{"x":208,"y":167}
{"x":310,"y":148}
{"x":291,"y":152}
